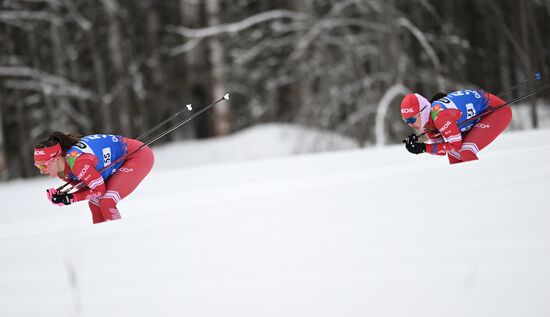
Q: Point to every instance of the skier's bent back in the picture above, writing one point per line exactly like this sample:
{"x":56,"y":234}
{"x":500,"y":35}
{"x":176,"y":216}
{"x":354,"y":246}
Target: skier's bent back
{"x":455,"y":124}
{"x":78,"y":159}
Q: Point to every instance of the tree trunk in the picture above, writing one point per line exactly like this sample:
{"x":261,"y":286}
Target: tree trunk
{"x":196,"y":79}
{"x":222,"y":124}
{"x":157,"y":92}
{"x":103,"y":119}
{"x":59,"y":55}
{"x":25,"y":151}
{"x":525,"y":15}
{"x":3,"y":166}
{"x":116,"y":50}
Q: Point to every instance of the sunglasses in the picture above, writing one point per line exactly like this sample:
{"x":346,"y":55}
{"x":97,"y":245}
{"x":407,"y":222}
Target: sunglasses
{"x":412,"y":119}
{"x":44,"y":165}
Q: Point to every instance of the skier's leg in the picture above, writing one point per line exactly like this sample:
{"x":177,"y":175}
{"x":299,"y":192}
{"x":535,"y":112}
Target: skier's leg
{"x":484,"y":132}
{"x":125,"y":180}
{"x":107,"y":204}
{"x":495,"y":101}
{"x":97,"y":216}
{"x":453,"y":159}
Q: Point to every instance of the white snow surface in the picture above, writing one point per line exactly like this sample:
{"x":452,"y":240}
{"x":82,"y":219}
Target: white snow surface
{"x":262,"y":141}
{"x":371,"y":232}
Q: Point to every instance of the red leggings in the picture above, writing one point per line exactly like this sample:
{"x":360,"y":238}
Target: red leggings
{"x":123,"y":182}
{"x":484,"y":132}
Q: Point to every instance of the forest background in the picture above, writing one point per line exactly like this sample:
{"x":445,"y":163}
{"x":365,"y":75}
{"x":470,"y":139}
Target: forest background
{"x":113,"y":66}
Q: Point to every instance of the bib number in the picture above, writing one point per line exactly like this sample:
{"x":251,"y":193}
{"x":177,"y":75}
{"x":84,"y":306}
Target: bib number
{"x":106,"y":156}
{"x":470,"y":110}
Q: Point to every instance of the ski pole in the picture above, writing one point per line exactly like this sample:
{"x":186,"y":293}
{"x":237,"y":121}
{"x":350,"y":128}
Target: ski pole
{"x":491,"y":110}
{"x":146,"y":133}
{"x":538,"y":77}
{"x":225,"y":97}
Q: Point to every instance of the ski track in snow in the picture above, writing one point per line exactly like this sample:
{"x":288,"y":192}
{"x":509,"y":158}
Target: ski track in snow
{"x":352,"y":233}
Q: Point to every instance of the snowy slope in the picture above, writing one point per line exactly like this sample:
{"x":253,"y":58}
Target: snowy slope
{"x":261,"y":141}
{"x":353,"y":233}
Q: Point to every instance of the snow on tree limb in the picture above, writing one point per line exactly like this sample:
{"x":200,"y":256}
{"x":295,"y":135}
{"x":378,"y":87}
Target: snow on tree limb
{"x":321,"y":26}
{"x":30,"y":15}
{"x":196,"y":35}
{"x":241,"y":25}
{"x":82,"y":121}
{"x":43,"y":82}
{"x":51,"y":2}
{"x":423,"y":42}
{"x":188,"y":46}
{"x":64,"y":91}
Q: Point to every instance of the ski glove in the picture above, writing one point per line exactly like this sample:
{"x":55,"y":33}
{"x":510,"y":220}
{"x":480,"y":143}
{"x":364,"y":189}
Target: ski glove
{"x":62,"y":199}
{"x":49,"y":193}
{"x":412,"y":145}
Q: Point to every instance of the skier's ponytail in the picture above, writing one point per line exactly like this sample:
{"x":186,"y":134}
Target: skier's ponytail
{"x":66,"y":141}
{"x":438,"y":96}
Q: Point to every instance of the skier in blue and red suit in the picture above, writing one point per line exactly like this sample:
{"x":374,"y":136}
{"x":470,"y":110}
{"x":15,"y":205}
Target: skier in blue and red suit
{"x":78,"y":160}
{"x":445,"y":121}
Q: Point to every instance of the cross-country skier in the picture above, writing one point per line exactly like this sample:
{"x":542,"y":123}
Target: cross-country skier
{"x":445,"y":121}
{"x":78,"y":159}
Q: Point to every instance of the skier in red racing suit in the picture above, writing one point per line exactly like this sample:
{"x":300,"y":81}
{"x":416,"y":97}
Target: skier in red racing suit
{"x":453,"y":124}
{"x":91,"y":161}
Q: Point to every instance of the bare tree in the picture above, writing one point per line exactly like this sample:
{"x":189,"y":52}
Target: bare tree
{"x":218,"y":70}
{"x":121,"y":96}
{"x":195,"y":80}
{"x":120,"y":67}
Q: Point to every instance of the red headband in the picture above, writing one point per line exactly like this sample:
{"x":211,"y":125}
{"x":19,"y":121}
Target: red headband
{"x":47,"y":153}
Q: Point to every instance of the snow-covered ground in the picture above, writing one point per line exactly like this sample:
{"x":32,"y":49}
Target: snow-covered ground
{"x":262,"y":141}
{"x":373,"y":232}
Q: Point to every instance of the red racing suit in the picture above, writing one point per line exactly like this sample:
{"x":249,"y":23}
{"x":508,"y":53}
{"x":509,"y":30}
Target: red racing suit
{"x":103,"y":195}
{"x":445,"y":136}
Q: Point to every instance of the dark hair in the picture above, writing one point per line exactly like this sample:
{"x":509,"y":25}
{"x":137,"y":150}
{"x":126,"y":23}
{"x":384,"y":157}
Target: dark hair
{"x":66,"y":141}
{"x":437,"y":96}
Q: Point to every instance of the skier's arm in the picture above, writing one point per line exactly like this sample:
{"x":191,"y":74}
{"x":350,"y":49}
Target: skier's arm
{"x":452,"y":139}
{"x":84,"y":169}
{"x":434,"y":137}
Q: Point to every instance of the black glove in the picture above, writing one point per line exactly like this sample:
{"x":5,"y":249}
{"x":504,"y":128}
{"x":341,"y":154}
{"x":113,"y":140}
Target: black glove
{"x":412,"y":138}
{"x":64,"y":198}
{"x":412,"y":145}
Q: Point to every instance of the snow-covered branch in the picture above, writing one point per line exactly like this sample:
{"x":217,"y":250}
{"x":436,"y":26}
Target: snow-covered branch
{"x":196,"y":35}
{"x":6,"y":16}
{"x":323,"y":25}
{"x":423,"y":42}
{"x":42,"y":82}
{"x":83,"y":22}
{"x":51,"y":2}
{"x":241,"y":25}
{"x":58,"y":91}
